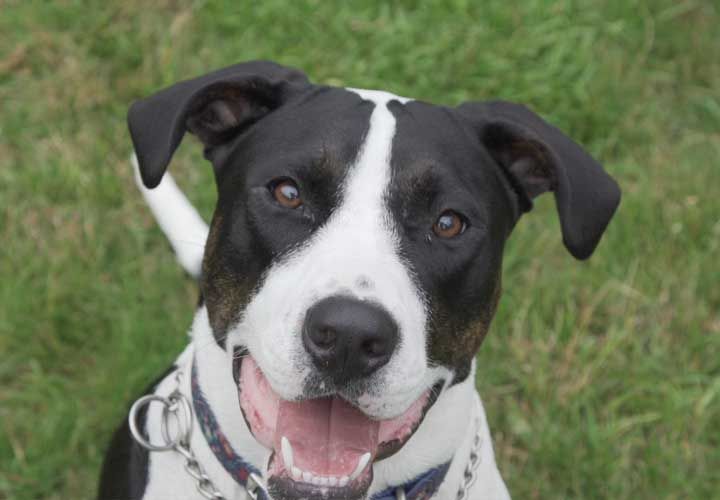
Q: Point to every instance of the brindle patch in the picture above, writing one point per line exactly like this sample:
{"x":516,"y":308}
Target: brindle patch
{"x":220,"y":292}
{"x":227,"y":290}
{"x":437,"y":165}
{"x":455,"y":337}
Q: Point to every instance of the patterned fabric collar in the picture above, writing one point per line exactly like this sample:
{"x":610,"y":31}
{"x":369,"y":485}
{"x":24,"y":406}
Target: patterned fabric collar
{"x":423,"y":487}
{"x":233,"y":463}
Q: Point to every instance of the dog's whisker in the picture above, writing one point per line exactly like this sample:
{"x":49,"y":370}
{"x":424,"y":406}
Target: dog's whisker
{"x":435,"y":391}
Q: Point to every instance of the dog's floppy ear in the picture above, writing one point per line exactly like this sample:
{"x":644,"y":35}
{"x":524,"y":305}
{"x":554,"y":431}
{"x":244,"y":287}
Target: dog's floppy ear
{"x":214,"y":107}
{"x":538,"y":158}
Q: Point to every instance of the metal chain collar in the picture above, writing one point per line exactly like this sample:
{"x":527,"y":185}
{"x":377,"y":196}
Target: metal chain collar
{"x":469,"y":475}
{"x":177,"y":407}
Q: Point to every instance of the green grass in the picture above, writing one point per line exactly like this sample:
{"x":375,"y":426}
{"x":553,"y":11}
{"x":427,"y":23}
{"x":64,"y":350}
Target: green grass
{"x":601,"y":379}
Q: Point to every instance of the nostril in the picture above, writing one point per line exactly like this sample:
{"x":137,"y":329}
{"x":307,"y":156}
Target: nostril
{"x":375,"y":348}
{"x":325,"y":337}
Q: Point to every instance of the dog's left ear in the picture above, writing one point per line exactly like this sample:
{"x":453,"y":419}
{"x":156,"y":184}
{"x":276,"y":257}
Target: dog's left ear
{"x":538,"y":158}
{"x":215,"y":107}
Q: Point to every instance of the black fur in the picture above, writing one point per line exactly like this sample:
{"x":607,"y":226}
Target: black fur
{"x":543,"y":159}
{"x":439,"y":165}
{"x":485,"y":161}
{"x":215,"y":107}
{"x":260,"y":122}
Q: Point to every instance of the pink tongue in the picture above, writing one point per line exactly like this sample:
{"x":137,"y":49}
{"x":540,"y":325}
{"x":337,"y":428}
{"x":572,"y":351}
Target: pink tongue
{"x":328,"y":436}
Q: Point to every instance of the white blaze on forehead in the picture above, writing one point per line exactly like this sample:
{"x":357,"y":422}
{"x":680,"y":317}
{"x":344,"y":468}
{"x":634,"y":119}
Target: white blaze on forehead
{"x":368,"y":181}
{"x":355,"y":253}
{"x":379,"y":97}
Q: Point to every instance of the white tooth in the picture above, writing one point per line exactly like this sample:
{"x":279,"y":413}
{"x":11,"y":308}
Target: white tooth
{"x":332,"y":481}
{"x":287,"y":453}
{"x":324,"y":481}
{"x":296,"y":473}
{"x":307,"y":477}
{"x":317,"y":481}
{"x":343,"y":481}
{"x":360,"y":466}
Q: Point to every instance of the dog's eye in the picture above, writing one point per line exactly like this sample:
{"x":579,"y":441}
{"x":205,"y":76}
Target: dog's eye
{"x":449,"y":224}
{"x":286,"y":193}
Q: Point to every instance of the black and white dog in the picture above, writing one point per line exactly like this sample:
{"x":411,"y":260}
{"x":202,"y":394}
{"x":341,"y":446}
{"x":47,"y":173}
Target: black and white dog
{"x":349,"y":275}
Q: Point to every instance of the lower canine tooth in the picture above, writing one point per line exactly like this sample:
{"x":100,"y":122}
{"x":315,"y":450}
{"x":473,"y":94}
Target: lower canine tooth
{"x":307,"y":477}
{"x":343,"y":481}
{"x":362,"y":463}
{"x":296,"y":473}
{"x":287,"y":453}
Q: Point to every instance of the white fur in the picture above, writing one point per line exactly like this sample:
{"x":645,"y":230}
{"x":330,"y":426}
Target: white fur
{"x":446,"y":433}
{"x":178,"y":219}
{"x":357,"y":244}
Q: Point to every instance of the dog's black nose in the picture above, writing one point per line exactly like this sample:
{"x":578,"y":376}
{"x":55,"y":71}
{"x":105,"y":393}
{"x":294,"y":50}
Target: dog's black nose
{"x":347,"y":338}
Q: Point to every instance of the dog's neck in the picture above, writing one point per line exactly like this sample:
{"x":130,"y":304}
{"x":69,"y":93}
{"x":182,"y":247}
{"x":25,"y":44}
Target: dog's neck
{"x":454,"y":417}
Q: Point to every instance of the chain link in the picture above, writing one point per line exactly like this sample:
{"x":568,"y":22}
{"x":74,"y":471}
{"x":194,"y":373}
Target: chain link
{"x":202,"y":482}
{"x":254,"y":485}
{"x":176,"y":403}
{"x":469,"y":475}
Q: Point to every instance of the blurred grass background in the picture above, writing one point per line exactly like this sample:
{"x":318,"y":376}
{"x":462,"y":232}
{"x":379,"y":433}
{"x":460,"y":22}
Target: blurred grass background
{"x":601,"y":379}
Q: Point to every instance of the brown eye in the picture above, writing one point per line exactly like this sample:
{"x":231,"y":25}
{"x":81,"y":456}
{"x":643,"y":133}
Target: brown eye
{"x":286,"y":193}
{"x":449,"y":224}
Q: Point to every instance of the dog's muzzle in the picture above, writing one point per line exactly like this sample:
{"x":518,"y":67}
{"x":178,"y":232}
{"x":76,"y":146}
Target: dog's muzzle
{"x":325,"y":443}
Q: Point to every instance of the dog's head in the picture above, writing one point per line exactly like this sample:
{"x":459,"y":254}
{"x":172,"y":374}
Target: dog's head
{"x":354,"y":257}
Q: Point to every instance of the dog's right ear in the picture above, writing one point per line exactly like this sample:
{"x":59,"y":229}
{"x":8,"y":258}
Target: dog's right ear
{"x":215,"y":107}
{"x":538,"y":158}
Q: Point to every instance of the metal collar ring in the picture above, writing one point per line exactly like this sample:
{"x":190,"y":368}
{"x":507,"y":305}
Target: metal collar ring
{"x":170,"y":405}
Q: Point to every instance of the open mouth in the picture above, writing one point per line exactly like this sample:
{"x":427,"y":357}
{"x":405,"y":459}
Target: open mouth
{"x":324,"y":446}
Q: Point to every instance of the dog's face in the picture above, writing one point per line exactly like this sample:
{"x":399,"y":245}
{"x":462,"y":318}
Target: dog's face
{"x":353,"y":262}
